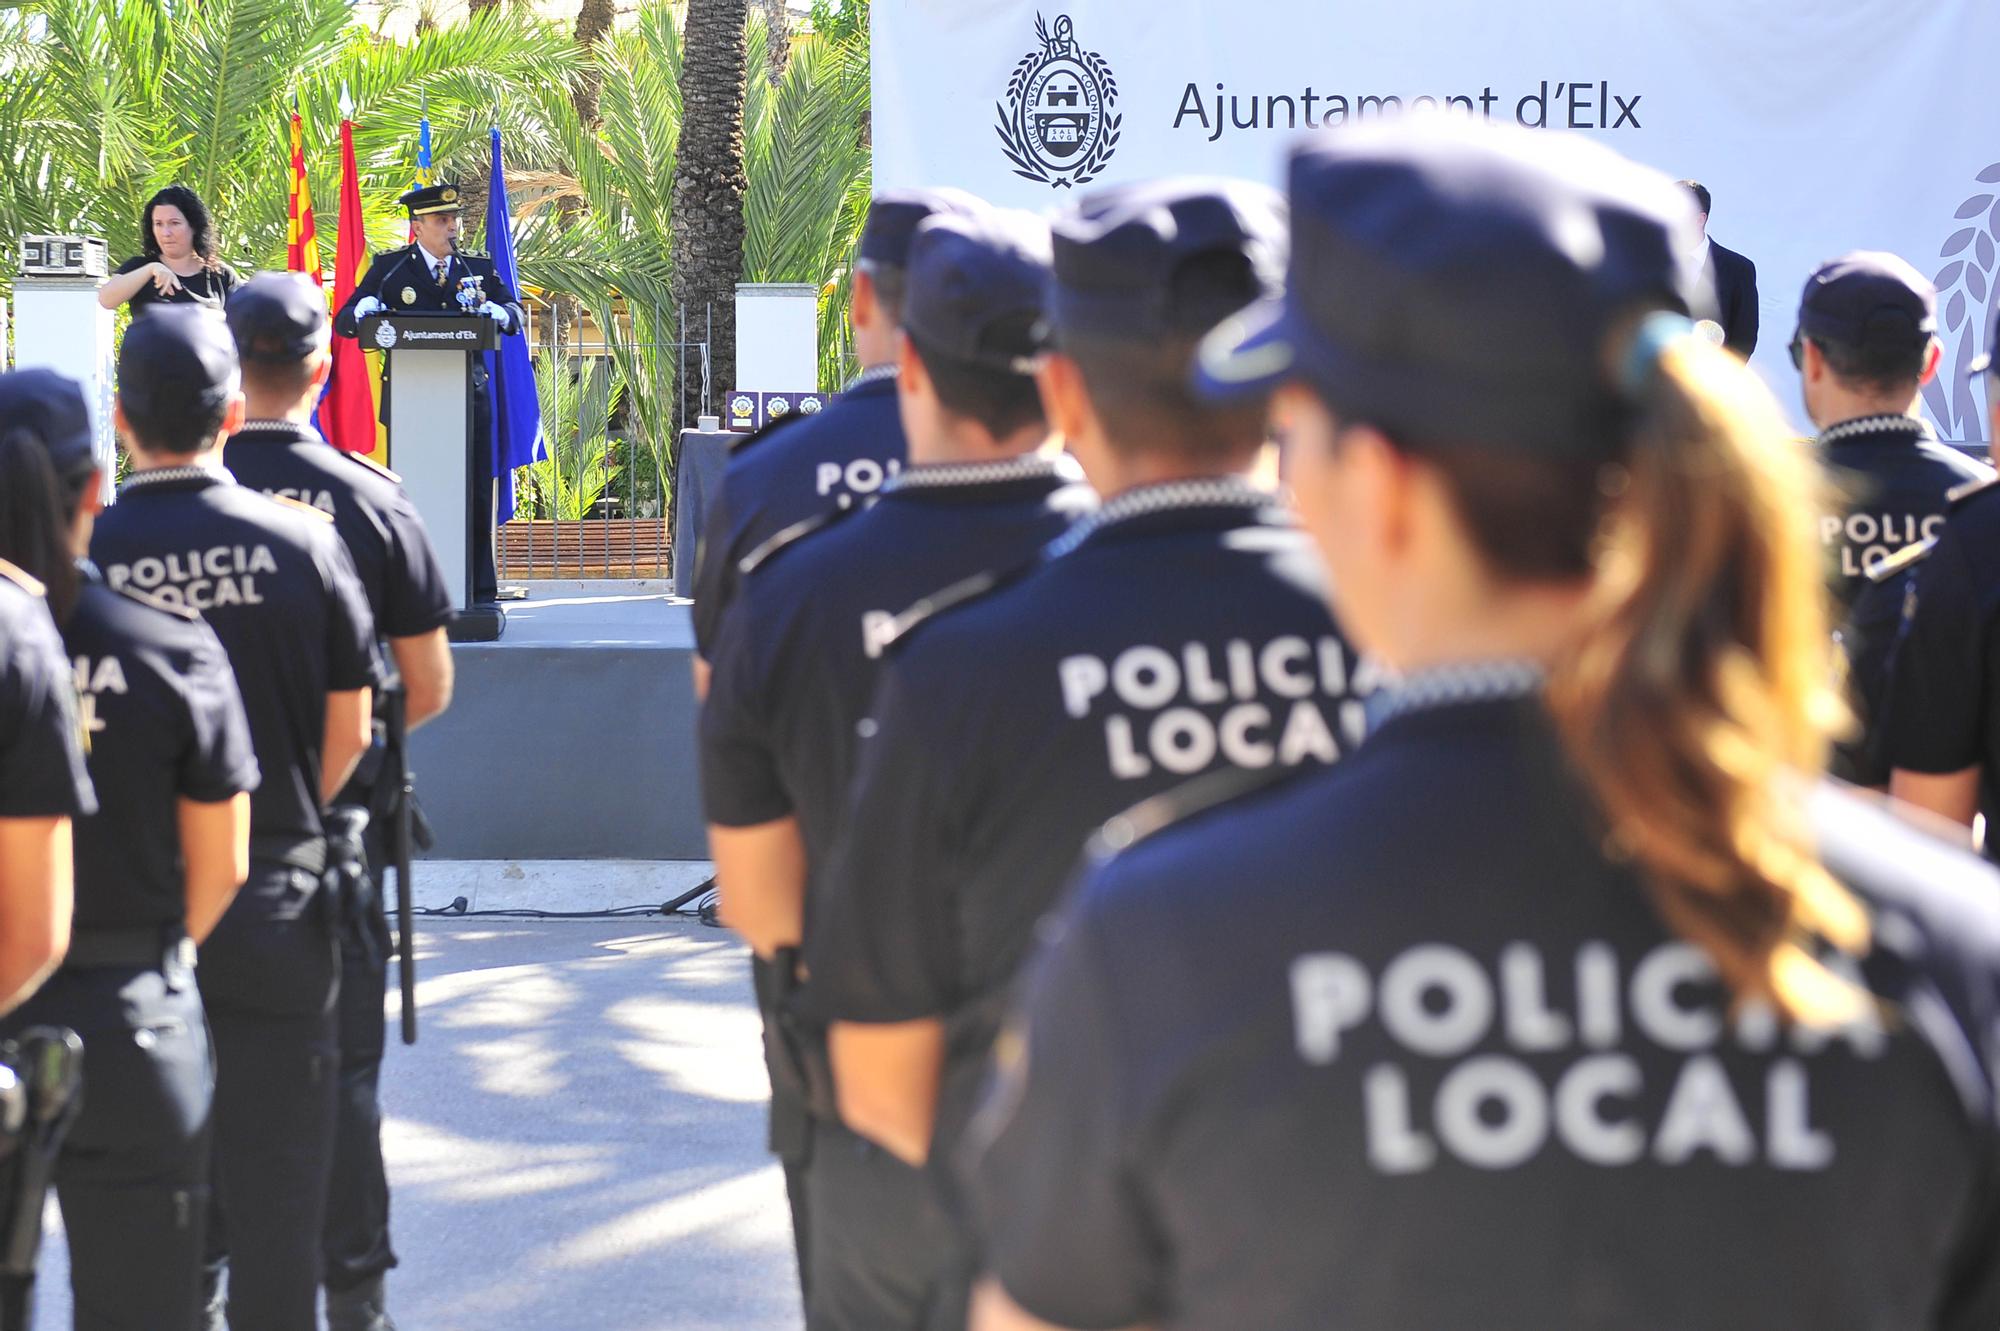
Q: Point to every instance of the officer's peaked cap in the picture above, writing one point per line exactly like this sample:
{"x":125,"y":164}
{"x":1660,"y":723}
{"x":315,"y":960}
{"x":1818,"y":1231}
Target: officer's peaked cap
{"x":427,"y":199}
{"x":1117,"y":254}
{"x":1451,"y":280}
{"x":176,"y":361}
{"x":50,"y":407}
{"x":976,"y":287}
{"x":1868,"y":299}
{"x":277,"y":318}
{"x":895,"y":215}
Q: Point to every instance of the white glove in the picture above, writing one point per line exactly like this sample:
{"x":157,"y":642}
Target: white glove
{"x":497,"y":313}
{"x":366,"y":306}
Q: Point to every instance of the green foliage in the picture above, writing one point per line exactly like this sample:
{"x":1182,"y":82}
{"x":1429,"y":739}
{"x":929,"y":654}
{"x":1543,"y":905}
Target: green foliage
{"x":102,"y":102}
{"x":848,"y":23}
{"x":578,"y":397}
{"x":105,"y":101}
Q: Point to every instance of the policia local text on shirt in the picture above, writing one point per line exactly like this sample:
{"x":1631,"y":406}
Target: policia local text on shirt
{"x":1524,"y":1068}
{"x":1179,"y":628}
{"x":276,"y":585}
{"x":156,"y":866}
{"x":794,"y":668}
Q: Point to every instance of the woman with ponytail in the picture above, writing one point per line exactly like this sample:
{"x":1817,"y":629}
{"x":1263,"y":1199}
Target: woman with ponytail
{"x":169,"y":753}
{"x":1576,"y":997}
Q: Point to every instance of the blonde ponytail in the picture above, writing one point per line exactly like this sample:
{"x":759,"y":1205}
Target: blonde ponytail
{"x":1701,"y":692}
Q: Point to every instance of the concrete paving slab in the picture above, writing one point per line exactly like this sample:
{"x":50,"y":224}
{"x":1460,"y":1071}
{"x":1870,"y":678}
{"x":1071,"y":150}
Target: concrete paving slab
{"x":576,"y":1140}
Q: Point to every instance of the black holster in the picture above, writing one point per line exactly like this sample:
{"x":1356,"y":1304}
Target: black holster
{"x":795,"y":1053}
{"x":349,"y":887}
{"x":41,"y":1093}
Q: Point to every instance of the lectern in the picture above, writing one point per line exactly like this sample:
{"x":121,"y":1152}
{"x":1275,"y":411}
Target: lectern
{"x":432,"y":359}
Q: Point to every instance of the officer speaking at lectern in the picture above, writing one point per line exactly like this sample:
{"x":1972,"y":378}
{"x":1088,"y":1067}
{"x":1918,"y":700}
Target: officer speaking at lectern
{"x":427,"y":277}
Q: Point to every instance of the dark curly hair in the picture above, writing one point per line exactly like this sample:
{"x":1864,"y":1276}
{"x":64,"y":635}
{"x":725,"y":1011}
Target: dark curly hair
{"x":192,"y":208}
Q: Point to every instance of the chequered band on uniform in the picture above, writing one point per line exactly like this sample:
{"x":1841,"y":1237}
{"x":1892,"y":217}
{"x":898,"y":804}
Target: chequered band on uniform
{"x":1456,"y":685}
{"x":140,"y":480}
{"x":1913,"y":426}
{"x":874,"y":374}
{"x":1167,"y":496}
{"x":1029,"y":467}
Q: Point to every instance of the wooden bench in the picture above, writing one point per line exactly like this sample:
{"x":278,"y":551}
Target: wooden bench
{"x":592,"y":548}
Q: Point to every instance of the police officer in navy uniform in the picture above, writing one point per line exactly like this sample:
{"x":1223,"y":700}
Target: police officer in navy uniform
{"x":425,"y":277}
{"x":280,"y":326}
{"x":273,"y":580}
{"x":156,"y":866}
{"x":1572,"y":998}
{"x":44,"y":786}
{"x":848,"y":451}
{"x":1865,"y":347}
{"x":983,"y":486}
{"x":1941,"y":719}
{"x":1179,"y":628}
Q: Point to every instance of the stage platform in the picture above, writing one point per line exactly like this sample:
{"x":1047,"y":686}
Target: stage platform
{"x":573,"y":736}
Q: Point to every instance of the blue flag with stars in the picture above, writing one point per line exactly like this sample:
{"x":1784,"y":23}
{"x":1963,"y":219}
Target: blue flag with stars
{"x":517,"y":411}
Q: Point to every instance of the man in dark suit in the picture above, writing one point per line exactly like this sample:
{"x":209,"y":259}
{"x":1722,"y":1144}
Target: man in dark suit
{"x":1735,"y":281}
{"x":425,"y":277}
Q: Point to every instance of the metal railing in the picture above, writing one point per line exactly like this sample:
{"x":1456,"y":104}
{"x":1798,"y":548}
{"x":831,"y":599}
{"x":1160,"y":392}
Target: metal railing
{"x":599,"y":504}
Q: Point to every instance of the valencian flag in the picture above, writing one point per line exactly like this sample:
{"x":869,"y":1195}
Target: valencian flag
{"x":517,"y":411}
{"x":347,"y":411}
{"x":301,"y":237}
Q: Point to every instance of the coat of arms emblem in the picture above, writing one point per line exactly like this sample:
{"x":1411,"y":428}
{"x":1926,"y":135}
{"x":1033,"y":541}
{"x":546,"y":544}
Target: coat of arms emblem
{"x":1057,"y":124}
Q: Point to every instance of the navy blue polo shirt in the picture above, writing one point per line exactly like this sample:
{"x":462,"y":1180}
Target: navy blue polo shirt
{"x":1180,"y":629}
{"x":276,"y":585}
{"x":42,"y":772}
{"x":1395,"y":1045}
{"x":1941,"y":713}
{"x":163,"y":721}
{"x":796,"y":663}
{"x":844,"y":454}
{"x":1895,"y":475}
{"x":385,"y":538}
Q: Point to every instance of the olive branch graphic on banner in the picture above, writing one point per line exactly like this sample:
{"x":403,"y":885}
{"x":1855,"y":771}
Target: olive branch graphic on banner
{"x":1965,"y":291}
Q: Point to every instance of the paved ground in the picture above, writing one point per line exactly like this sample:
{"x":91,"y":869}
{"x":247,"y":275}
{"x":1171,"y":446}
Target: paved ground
{"x":576,"y":1140}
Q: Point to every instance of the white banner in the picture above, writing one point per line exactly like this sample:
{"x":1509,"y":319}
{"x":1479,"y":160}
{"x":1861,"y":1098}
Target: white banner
{"x":1819,"y":128}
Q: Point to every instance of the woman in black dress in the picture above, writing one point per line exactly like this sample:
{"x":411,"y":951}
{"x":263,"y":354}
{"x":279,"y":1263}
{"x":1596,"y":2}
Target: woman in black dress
{"x":179,"y":266}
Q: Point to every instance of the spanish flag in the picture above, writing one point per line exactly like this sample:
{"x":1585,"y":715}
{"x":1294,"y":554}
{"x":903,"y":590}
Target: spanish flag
{"x":347,"y":414}
{"x":301,"y":236}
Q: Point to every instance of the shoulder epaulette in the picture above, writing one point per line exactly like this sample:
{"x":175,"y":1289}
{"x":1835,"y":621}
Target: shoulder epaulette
{"x":372,"y":465}
{"x":790,"y":536}
{"x":21,"y":578}
{"x":764,"y":431}
{"x":1958,"y":494}
{"x":304,"y":508}
{"x":1887,"y":566}
{"x":153,"y":602}
{"x":962,"y":592}
{"x":1187,"y":800}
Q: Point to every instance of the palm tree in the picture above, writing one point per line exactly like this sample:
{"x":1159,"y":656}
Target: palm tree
{"x":104,"y":101}
{"x":708,"y":187}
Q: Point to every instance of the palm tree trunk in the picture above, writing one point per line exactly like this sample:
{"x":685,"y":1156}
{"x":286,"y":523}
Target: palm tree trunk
{"x":477,"y":7}
{"x":778,"y":38}
{"x":708,"y":189}
{"x":593,"y":22}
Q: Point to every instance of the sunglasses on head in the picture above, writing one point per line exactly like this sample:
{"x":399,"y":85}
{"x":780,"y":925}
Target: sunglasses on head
{"x":1798,"y":349}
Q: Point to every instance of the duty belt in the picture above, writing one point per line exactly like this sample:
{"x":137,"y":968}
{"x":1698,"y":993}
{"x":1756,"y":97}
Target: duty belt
{"x":144,"y":947}
{"x":290,"y":851}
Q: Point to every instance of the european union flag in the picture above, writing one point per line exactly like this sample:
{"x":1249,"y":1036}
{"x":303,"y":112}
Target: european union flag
{"x":517,"y":411}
